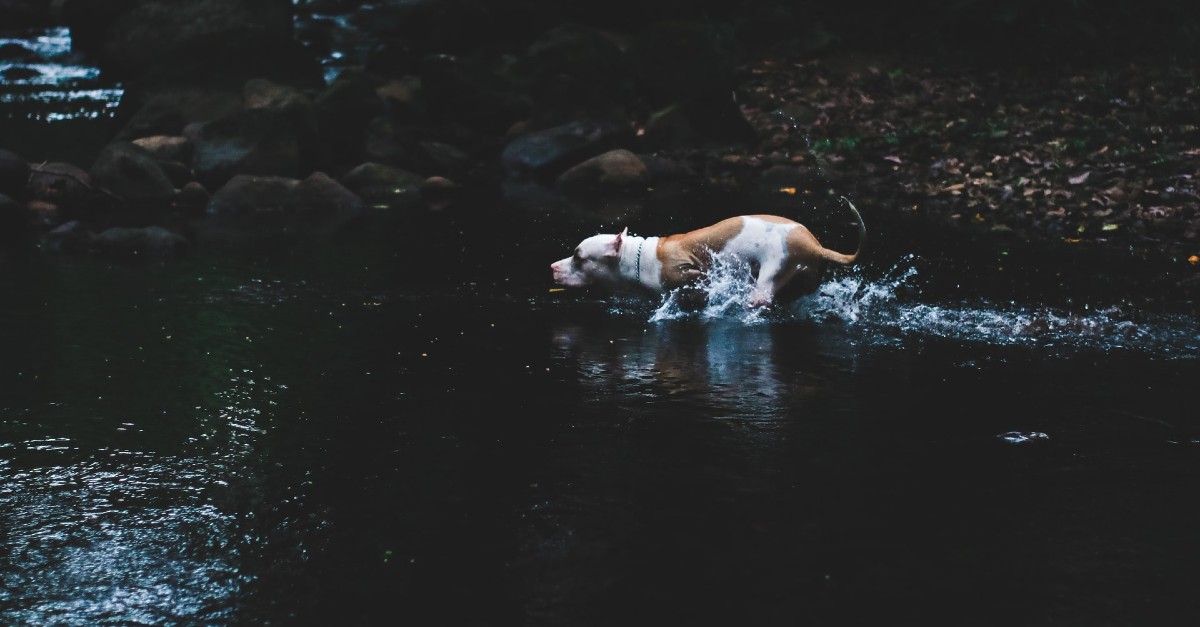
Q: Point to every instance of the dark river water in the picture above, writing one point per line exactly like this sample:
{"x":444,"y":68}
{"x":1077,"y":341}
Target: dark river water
{"x":407,"y":426}
{"x":404,"y":424}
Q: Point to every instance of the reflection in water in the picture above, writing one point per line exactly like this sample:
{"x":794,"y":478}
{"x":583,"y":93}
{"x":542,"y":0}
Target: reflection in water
{"x":713,"y":364}
{"x":712,"y":417}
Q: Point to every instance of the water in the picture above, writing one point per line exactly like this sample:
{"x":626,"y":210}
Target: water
{"x":54,"y":104}
{"x":405,"y":425}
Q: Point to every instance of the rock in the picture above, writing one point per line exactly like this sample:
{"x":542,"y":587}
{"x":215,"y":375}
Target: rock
{"x":547,"y":153}
{"x":669,"y":129}
{"x":17,"y":74}
{"x":42,"y":214}
{"x":438,"y":192}
{"x":152,"y":240}
{"x":294,"y":106}
{"x":180,"y":174}
{"x":14,"y":174}
{"x":69,"y":237}
{"x":344,"y":110}
{"x":403,"y":98}
{"x":192,"y":197}
{"x":446,"y":158}
{"x":16,"y":52}
{"x":380,"y":183}
{"x":132,"y":174}
{"x":254,"y":142}
{"x":614,"y":170}
{"x":260,"y":93}
{"x":246,"y":196}
{"x":662,"y":169}
{"x":168,"y":111}
{"x":65,"y":185}
{"x":321,"y":194}
{"x":167,"y":147}
{"x":387,"y":141}
{"x":251,"y":208}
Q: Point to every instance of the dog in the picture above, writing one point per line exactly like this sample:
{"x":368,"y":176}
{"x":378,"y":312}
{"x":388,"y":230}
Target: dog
{"x":784,"y":257}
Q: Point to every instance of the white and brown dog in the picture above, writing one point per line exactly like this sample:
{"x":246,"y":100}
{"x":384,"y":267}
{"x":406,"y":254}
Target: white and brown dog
{"x":781,"y":253}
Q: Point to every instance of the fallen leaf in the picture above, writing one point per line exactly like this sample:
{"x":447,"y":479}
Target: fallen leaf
{"x":1110,"y":227}
{"x":892,"y":158}
{"x":788,"y":190}
{"x":1076,"y":180}
{"x":1194,"y":259}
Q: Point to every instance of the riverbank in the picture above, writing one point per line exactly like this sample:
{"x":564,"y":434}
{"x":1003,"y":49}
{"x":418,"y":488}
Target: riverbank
{"x":577,"y":120}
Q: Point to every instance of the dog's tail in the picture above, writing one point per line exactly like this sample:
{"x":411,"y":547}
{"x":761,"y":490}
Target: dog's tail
{"x":842,"y":258}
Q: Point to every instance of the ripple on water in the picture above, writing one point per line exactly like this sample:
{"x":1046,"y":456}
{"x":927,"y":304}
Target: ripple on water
{"x":51,"y":83}
{"x":95,"y":541}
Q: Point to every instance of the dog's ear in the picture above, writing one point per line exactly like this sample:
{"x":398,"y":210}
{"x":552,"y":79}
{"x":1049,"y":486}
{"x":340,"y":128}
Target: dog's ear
{"x":617,"y":241}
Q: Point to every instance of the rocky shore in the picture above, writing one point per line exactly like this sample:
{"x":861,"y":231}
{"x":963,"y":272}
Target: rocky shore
{"x":228,"y":118}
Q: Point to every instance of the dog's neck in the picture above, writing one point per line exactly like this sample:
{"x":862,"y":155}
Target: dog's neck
{"x":639,"y":261}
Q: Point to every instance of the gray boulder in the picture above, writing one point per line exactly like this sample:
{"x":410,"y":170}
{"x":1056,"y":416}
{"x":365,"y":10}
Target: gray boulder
{"x":132,"y":174}
{"x":615,"y":170}
{"x":277,"y":197}
{"x":547,"y":153}
{"x":378,"y":183}
{"x":63,"y":184}
{"x":259,"y":142}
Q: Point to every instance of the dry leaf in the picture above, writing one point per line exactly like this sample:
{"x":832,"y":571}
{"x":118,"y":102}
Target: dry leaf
{"x":1076,"y":180}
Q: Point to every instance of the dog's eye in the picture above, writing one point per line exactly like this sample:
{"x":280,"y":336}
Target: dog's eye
{"x":577,"y":256}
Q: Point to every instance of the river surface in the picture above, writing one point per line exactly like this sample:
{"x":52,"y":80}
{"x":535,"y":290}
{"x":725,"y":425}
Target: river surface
{"x":406,"y":425}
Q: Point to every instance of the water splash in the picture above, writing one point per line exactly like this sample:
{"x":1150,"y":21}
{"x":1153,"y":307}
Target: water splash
{"x":889,"y":310}
{"x":723,"y":294}
{"x":852,"y":299}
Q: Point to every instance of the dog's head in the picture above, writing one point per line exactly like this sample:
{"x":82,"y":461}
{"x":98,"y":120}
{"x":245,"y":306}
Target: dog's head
{"x":595,"y":261}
